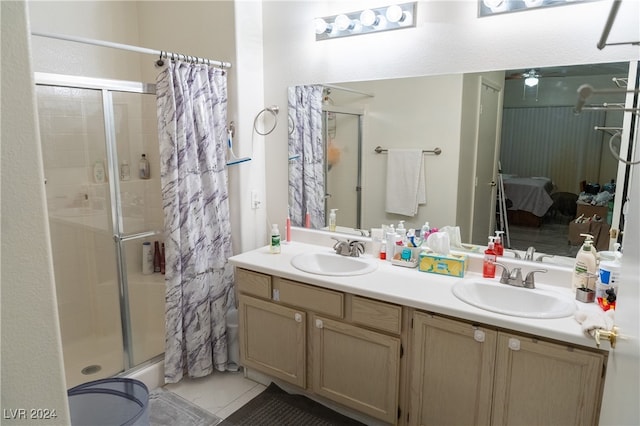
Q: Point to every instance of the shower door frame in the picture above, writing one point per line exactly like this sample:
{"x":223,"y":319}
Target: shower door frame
{"x":106,"y":87}
{"x":326,"y":109}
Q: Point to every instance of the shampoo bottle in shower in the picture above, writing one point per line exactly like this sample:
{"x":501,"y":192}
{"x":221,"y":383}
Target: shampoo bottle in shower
{"x":144,"y":170}
{"x":99,"y":172}
{"x":156,"y":257}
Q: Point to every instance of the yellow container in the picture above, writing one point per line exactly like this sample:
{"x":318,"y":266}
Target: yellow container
{"x":452,"y":265}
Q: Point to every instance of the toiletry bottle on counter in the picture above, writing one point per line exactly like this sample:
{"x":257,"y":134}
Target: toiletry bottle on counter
{"x":332,"y":220}
{"x":383,"y":250}
{"x":144,"y":170}
{"x":288,"y":227}
{"x":488,"y":265}
{"x":275,"y":239}
{"x":584,"y":268}
{"x":607,"y":283}
{"x":400,"y":230}
{"x":498,"y":246}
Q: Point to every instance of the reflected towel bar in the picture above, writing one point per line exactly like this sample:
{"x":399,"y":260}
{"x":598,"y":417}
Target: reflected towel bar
{"x":436,"y":151}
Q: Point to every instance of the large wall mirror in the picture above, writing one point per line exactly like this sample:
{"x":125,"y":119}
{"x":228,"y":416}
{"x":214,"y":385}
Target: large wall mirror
{"x":515,"y":130}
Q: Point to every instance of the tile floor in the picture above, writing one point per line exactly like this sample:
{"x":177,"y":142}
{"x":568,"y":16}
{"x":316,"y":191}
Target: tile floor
{"x":221,"y":393}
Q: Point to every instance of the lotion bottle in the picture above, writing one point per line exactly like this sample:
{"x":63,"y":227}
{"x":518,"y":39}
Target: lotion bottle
{"x":275,"y":239}
{"x":488,"y":265}
{"x":584,"y":268}
{"x":332,"y":220}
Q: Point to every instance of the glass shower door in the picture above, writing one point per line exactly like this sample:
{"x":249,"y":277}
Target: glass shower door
{"x":72,"y":134}
{"x":92,"y":131}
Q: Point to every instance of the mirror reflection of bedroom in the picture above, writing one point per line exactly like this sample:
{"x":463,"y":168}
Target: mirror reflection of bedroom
{"x":556,"y":167}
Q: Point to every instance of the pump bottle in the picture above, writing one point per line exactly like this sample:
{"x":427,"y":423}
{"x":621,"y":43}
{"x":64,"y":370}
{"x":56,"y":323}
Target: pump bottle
{"x":584,"y":268}
{"x":332,"y":220}
{"x":498,"y":246}
{"x":488,"y":265}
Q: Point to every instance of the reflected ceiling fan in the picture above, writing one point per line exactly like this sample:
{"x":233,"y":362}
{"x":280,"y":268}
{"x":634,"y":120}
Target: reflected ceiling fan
{"x":531,"y":76}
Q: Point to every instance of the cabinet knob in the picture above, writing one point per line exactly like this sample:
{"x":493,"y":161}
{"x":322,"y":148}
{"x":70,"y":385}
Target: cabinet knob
{"x":514,"y":344}
{"x":319,"y":323}
{"x":298,"y":317}
{"x":478,"y":336}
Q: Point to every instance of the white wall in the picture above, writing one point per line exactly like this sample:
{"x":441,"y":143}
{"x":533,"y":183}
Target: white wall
{"x":32,"y":371}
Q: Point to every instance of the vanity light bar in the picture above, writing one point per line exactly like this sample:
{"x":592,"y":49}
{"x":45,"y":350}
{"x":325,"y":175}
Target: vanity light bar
{"x":366,"y":21}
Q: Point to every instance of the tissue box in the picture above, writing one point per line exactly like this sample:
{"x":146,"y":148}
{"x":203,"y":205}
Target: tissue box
{"x":453,"y":265}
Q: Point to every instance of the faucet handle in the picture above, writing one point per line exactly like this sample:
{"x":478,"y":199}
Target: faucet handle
{"x":356,"y":248}
{"x":529,"y":281}
{"x":504,"y":278}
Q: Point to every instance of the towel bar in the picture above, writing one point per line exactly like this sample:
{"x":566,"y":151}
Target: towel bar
{"x":436,"y":151}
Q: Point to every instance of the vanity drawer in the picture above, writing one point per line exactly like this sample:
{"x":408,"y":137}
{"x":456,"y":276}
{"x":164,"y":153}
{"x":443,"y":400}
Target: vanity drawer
{"x":380,"y":315}
{"x":307,"y":297}
{"x":253,"y":283}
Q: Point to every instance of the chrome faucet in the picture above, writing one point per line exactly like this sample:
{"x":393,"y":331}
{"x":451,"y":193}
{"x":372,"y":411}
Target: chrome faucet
{"x":515,"y":253}
{"x":514,"y":277}
{"x":348,"y":248}
{"x":542,"y":256}
{"x":531,"y":251}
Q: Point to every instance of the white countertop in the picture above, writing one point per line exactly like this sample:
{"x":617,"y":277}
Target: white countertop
{"x":413,"y":288}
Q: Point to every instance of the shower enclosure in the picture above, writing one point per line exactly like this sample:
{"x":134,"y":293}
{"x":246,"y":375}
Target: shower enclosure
{"x":342,"y":132}
{"x":93,"y":133}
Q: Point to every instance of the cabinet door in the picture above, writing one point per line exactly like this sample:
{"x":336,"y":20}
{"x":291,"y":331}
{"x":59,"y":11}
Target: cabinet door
{"x":543,"y":383}
{"x":357,"y":368}
{"x":272,"y":339}
{"x":451,"y":372}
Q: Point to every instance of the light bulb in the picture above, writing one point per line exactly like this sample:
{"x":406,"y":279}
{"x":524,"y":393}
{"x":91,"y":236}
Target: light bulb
{"x":394,"y":13}
{"x":531,"y":81}
{"x":533,"y":3}
{"x":321,"y":26}
{"x":343,"y":23}
{"x":495,"y":5}
{"x":368,"y":18}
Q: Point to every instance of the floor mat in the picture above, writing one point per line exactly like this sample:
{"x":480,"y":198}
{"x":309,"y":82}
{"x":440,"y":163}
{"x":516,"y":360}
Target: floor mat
{"x":277,"y":407}
{"x":167,"y":408}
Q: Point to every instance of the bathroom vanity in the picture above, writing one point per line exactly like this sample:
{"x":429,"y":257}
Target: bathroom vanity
{"x":396,"y":345}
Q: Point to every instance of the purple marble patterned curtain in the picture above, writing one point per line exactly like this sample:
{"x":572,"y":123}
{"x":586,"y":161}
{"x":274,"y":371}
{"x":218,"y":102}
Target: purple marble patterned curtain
{"x":192,"y":113}
{"x":306,"y":147}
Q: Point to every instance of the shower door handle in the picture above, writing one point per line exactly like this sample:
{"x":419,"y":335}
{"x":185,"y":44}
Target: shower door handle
{"x":124,"y":238}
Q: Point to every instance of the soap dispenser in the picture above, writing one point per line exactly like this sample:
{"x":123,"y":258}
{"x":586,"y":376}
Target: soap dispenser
{"x":489,"y":261}
{"x":498,"y":246}
{"x":332,"y":220}
{"x":584,"y":269}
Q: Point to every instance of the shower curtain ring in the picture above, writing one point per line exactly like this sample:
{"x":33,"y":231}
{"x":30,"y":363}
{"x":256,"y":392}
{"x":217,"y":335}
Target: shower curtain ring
{"x":160,"y":62}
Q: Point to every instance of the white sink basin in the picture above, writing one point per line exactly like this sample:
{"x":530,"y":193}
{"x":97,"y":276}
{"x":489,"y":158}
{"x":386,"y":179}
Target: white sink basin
{"x":333,"y":264}
{"x":515,"y":301}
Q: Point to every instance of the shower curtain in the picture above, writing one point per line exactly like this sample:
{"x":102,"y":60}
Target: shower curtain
{"x":192,"y":112}
{"x":306,"y":148}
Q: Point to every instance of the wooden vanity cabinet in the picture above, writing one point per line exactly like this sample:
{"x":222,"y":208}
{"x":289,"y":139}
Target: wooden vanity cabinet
{"x":467,"y":374}
{"x":343,"y":347}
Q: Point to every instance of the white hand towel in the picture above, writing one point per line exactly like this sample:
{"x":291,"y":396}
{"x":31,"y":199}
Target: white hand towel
{"x":406,"y":187}
{"x":591,"y":321}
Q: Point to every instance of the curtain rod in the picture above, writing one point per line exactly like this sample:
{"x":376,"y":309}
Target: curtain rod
{"x":331,"y":86}
{"x":159,"y":53}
